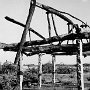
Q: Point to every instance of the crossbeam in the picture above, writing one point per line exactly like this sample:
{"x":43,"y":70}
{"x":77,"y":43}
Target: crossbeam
{"x":21,"y":24}
{"x":69,"y":49}
{"x":63,"y":37}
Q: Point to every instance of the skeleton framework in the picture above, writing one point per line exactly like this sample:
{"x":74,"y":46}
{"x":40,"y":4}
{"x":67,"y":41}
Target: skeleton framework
{"x":46,"y":45}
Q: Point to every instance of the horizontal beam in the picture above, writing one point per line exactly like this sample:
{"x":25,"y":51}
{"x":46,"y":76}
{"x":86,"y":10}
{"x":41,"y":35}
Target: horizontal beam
{"x":63,"y":37}
{"x":86,"y":53}
{"x":13,"y":47}
{"x":72,"y":36}
{"x":4,"y":45}
{"x":69,"y":49}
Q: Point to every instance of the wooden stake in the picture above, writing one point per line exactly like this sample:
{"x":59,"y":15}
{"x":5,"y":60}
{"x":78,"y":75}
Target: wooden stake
{"x":82,"y":73}
{"x":80,"y":79}
{"x":20,"y":70}
{"x":53,"y":65}
{"x":40,"y":71}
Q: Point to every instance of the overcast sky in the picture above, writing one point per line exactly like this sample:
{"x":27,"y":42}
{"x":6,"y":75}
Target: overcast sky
{"x":18,"y":10}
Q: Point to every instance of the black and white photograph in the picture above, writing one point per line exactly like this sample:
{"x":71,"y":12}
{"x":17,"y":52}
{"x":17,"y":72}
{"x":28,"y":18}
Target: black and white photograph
{"x":44,"y":45}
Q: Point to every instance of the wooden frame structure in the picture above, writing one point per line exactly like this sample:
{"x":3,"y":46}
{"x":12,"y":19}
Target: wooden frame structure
{"x":25,"y":47}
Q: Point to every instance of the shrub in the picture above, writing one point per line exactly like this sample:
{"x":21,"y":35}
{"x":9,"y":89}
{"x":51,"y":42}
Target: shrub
{"x":31,"y":75}
{"x":47,"y":68}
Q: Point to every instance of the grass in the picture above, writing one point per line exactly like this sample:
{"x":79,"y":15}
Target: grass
{"x":66,"y":82}
{"x":63,"y":79}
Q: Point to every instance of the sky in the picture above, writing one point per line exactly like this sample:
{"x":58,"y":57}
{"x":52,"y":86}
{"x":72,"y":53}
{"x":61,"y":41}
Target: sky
{"x":18,"y":10}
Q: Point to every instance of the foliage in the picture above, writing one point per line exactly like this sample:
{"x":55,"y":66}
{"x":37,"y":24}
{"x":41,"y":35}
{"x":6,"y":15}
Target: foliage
{"x":31,"y":75}
{"x":47,"y":68}
{"x":8,"y":78}
{"x":64,"y":70}
{"x":8,"y":82}
{"x":8,"y":68}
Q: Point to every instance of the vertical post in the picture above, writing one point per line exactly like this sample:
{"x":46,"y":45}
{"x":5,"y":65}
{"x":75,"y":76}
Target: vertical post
{"x":68,"y":31}
{"x":53,"y":65}
{"x":39,"y":71}
{"x":80,"y":79}
{"x":21,"y":71}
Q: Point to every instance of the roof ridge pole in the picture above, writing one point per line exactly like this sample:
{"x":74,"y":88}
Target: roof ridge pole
{"x":23,"y":38}
{"x":80,"y":76}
